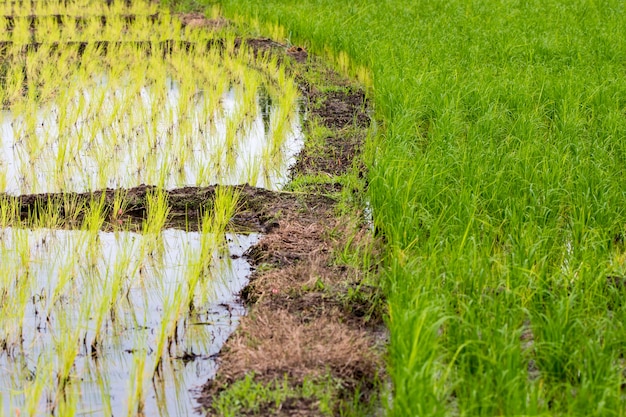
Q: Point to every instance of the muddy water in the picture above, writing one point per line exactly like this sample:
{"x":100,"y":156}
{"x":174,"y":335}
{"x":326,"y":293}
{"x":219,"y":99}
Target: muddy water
{"x":58,"y":281}
{"x":102,"y":138}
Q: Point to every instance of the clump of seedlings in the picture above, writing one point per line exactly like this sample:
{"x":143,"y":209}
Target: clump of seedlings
{"x":115,"y":94}
{"x":94,"y":114}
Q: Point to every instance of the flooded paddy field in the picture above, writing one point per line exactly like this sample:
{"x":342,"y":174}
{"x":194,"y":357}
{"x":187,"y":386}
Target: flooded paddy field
{"x":91,"y":119}
{"x":133,"y":321}
{"x":110,"y":308}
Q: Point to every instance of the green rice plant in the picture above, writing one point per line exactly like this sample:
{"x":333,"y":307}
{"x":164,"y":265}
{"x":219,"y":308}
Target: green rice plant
{"x":157,"y":211}
{"x":14,"y":82}
{"x":9,"y":212}
{"x":68,"y":404}
{"x":35,"y":388}
{"x":69,"y":31}
{"x":213,"y":229}
{"x":15,"y":287}
{"x":225,"y":203}
{"x":105,"y":296}
{"x":5,"y":34}
{"x":494,"y":183}
{"x":47,"y":29}
{"x":3,"y":180}
{"x":136,"y":385}
{"x":47,"y":215}
{"x":67,"y":344}
{"x":163,"y":338}
{"x":21,"y":32}
{"x":3,"y":100}
{"x":95,"y":214}
{"x":118,"y":209}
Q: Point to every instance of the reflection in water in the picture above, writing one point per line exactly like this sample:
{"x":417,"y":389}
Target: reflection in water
{"x":87,"y":311}
{"x":98,"y":137}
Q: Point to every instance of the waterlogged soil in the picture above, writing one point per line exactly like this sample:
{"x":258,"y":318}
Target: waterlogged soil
{"x":257,"y":211}
{"x":309,"y":315}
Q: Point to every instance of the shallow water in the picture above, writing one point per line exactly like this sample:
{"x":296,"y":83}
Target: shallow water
{"x":98,"y":138}
{"x":57,"y":297}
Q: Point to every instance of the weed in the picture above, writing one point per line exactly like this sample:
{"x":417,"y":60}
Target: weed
{"x":251,"y":397}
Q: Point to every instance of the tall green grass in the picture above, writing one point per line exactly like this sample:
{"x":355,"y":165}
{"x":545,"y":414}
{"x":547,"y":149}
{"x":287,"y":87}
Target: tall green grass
{"x":499,"y":185}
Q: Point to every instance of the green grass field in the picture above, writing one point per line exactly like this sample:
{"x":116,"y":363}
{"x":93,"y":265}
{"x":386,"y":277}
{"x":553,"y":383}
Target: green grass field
{"x":498,"y":181}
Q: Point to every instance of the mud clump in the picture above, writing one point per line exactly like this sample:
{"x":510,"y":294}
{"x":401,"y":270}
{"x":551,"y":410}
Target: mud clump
{"x":198,"y":20}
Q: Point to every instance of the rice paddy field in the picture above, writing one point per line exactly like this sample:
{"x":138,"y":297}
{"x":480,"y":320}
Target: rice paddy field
{"x":98,"y":315}
{"x":495,"y":172}
{"x":497,"y":180}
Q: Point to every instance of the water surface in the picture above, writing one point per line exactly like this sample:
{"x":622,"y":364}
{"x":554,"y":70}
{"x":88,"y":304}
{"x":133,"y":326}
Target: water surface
{"x":59,"y":279}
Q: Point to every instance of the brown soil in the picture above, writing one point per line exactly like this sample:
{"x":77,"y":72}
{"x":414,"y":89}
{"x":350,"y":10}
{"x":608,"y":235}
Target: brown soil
{"x":257,"y":211}
{"x":309,"y":316}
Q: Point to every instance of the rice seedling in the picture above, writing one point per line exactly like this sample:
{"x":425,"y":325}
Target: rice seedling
{"x":173,"y":131}
{"x":92,"y":99}
{"x":95,"y":305}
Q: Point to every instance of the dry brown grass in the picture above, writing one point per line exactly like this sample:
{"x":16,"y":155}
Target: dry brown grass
{"x":276,"y":342}
{"x":298,"y":327}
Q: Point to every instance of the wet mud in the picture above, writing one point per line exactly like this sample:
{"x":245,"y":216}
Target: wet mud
{"x":257,"y":211}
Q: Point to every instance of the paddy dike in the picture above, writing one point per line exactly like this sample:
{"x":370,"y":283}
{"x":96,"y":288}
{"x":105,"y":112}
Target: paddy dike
{"x":311,"y":315}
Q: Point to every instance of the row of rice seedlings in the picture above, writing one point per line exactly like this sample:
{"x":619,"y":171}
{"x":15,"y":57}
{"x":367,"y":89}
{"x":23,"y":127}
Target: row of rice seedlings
{"x":77,"y":7}
{"x":70,"y":296}
{"x":77,"y":117}
{"x":281,"y":125}
{"x":61,"y":27}
{"x":282,"y":122}
{"x":51,"y":29}
{"x":162,"y":131}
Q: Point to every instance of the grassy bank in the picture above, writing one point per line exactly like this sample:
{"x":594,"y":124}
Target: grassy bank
{"x":498,"y":184}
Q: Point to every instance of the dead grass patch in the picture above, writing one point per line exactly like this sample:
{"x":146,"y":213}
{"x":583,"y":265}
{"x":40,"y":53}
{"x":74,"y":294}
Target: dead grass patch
{"x":275,"y":342}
